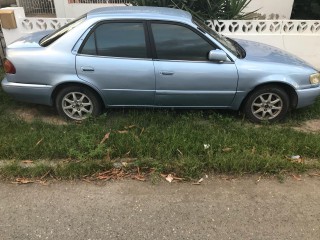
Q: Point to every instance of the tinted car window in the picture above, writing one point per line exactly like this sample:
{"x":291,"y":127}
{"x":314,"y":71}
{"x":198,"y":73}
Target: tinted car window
{"x":175,"y":42}
{"x":117,"y":40}
{"x":90,"y":46}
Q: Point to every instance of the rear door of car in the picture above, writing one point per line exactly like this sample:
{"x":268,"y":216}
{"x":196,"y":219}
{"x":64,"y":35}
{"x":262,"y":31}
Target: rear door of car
{"x":184,"y":75}
{"x":115,"y":57}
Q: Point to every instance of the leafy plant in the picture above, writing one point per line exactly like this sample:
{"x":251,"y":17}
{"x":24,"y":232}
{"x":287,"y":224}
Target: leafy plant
{"x":156,"y":3}
{"x":204,"y":9}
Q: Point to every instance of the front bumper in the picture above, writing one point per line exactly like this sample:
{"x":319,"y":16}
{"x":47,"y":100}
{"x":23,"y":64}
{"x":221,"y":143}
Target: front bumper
{"x":308,"y":96}
{"x":33,"y":93}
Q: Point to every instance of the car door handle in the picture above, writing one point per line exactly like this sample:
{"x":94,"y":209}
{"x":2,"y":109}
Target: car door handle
{"x":166,"y":73}
{"x":87,"y":69}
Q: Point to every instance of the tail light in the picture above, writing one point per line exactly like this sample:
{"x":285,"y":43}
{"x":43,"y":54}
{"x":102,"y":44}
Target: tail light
{"x":9,"y":67}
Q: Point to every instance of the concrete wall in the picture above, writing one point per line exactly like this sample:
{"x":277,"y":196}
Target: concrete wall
{"x":270,"y":8}
{"x":11,"y":35}
{"x":73,"y":10}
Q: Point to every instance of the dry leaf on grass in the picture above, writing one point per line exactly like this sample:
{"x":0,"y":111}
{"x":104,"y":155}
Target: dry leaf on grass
{"x":39,"y":141}
{"x":46,"y":174}
{"x":139,"y":177}
{"x":171,"y":178}
{"x":179,"y":152}
{"x":127,"y":154}
{"x":120,"y":173}
{"x":178,"y":178}
{"x":131,"y":126}
{"x":27,"y":161}
{"x":23,"y":181}
{"x":103,"y":177}
{"x":199,"y":182}
{"x":298,"y":178}
{"x":123,"y":131}
{"x":258,"y":180}
{"x":105,"y":138}
{"x":44,"y":183}
{"x":314,"y":174}
{"x":227,"y":149}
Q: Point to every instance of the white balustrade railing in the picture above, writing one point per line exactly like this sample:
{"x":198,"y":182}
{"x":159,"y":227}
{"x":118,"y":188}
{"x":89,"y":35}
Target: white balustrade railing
{"x":266,"y":26}
{"x":29,"y":25}
{"x":228,"y":27}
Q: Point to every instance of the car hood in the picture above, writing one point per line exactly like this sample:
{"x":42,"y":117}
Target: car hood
{"x":260,"y":52}
{"x":29,"y":41}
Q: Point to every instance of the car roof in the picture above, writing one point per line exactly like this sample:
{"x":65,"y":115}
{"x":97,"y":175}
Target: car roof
{"x":130,"y":12}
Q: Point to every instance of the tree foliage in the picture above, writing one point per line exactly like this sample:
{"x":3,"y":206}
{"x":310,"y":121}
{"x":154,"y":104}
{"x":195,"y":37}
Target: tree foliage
{"x":204,"y":9}
{"x":306,"y":9}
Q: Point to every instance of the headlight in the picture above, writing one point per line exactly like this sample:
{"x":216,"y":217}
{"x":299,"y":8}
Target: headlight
{"x":315,"y":78}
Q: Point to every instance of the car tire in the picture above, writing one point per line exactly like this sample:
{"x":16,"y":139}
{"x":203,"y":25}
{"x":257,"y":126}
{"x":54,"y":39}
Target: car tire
{"x":267,"y":104}
{"x":77,"y":103}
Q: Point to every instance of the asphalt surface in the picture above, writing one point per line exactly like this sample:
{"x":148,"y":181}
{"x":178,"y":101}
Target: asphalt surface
{"x":217,"y":209}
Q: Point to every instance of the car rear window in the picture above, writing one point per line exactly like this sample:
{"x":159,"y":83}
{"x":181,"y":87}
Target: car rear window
{"x":47,"y":40}
{"x":118,"y":39}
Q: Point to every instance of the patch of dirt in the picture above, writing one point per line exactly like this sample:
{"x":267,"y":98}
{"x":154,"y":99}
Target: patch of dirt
{"x":311,"y":126}
{"x":38,"y":113}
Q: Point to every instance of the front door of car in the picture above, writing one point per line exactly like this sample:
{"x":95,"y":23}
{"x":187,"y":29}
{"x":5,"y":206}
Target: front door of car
{"x":184,"y":76}
{"x":116,"y":59}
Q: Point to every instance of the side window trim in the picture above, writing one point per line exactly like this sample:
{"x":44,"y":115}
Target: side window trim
{"x":97,"y":24}
{"x":153,"y":44}
{"x":151,"y":40}
{"x":95,"y":42}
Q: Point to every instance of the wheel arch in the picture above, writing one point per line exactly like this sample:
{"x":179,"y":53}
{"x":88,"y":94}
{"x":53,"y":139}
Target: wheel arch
{"x":67,"y":84}
{"x":292,"y":94}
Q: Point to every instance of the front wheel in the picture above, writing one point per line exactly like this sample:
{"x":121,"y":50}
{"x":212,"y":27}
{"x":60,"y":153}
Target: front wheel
{"x":268,"y":103}
{"x":77,"y":103}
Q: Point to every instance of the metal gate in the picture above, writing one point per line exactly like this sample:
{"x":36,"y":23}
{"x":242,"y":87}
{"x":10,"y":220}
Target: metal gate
{"x":43,"y":8}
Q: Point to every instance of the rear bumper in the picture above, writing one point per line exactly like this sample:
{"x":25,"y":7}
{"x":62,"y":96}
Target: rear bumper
{"x":33,"y":93}
{"x":307,"y":97}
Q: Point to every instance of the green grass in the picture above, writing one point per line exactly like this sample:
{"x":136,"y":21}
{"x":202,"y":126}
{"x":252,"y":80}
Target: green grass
{"x":167,"y":140}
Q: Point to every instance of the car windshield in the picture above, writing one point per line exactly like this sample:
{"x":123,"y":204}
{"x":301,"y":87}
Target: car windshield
{"x":47,"y":40}
{"x":229,"y":44}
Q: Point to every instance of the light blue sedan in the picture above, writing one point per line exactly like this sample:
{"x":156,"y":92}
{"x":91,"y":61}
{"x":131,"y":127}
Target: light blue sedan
{"x":154,"y":57}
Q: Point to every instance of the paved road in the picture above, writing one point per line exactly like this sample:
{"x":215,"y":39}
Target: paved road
{"x":217,"y":209}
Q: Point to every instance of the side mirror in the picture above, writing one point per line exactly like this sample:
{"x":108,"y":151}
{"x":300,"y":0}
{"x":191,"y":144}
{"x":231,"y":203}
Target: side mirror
{"x":217,"y":55}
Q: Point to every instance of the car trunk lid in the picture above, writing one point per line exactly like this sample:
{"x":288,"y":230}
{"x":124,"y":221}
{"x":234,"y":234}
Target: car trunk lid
{"x":29,"y":41}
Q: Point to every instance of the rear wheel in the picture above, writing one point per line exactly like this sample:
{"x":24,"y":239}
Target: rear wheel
{"x":77,"y":103}
{"x":268,"y":103}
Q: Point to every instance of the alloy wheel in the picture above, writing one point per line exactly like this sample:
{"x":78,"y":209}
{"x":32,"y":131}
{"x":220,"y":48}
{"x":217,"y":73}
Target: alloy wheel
{"x":77,"y":105}
{"x":267,"y":106}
